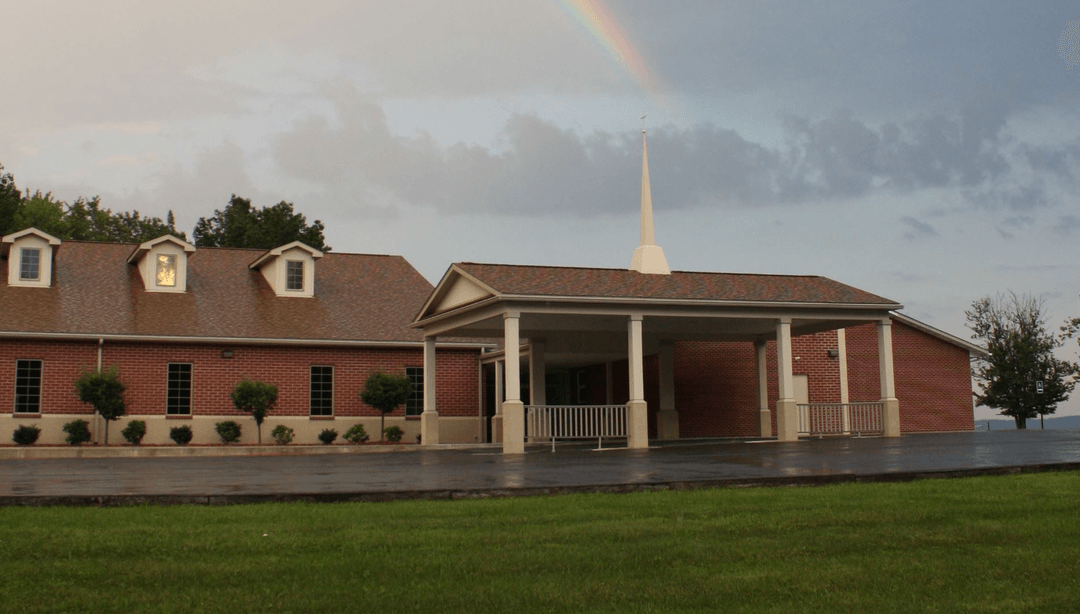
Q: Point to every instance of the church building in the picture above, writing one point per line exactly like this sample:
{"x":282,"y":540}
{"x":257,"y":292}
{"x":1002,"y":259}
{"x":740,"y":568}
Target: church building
{"x":497,"y":353}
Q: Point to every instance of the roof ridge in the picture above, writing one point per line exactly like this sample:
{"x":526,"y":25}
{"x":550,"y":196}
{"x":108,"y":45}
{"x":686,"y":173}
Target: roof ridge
{"x":587,"y":268}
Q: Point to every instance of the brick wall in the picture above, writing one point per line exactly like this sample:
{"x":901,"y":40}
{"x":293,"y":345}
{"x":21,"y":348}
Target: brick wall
{"x":716,"y":383}
{"x":143,"y":369}
{"x":932,"y":377}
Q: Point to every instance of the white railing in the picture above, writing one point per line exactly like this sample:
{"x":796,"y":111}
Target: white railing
{"x":575,"y":422}
{"x":841,"y":418}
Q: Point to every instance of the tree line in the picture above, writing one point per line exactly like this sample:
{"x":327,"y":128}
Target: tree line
{"x":239,"y":224}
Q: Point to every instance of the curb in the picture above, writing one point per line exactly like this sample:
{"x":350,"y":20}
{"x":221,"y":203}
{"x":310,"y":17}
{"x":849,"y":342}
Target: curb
{"x":41,"y":453}
{"x":492,"y":493}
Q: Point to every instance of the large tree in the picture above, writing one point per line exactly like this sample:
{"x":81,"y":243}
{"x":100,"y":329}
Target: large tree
{"x":1021,"y":358}
{"x":10,"y":197}
{"x":241,"y":225}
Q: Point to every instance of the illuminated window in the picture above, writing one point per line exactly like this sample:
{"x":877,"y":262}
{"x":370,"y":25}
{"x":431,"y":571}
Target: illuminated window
{"x":322,"y":391}
{"x":294,"y":275}
{"x":30,"y":265}
{"x":27,"y":386}
{"x":166,"y":270}
{"x":414,"y":405}
{"x":178,"y":400}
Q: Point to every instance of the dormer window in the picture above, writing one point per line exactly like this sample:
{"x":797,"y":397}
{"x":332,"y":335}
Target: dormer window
{"x":30,"y":264}
{"x":30,"y":257}
{"x":166,"y":270}
{"x":289,"y":269}
{"x":294,"y":275}
{"x":162,"y":263}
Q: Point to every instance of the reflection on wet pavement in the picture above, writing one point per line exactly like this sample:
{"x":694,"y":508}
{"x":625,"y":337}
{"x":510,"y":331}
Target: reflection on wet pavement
{"x":570,"y":466}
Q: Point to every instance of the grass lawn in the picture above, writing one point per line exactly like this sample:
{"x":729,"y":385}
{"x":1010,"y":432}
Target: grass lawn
{"x":989,"y":544}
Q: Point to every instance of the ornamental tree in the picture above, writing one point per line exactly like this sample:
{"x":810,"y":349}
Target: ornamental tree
{"x":385,"y":393}
{"x":105,"y":392}
{"x":255,"y":398}
{"x":1021,"y":355}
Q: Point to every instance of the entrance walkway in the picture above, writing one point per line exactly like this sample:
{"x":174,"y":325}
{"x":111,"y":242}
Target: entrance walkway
{"x":484,"y":471}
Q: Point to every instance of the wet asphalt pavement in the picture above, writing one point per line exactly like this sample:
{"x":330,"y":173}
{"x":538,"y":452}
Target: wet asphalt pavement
{"x":484,"y":471}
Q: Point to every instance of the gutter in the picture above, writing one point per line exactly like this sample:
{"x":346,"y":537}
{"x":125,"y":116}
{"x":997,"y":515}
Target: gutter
{"x":632,"y":301}
{"x":234,"y":340}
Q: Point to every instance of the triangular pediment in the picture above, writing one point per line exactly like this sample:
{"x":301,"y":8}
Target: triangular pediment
{"x":456,"y":288}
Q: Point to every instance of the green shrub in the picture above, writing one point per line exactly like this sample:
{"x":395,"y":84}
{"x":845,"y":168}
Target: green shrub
{"x":394,"y":433}
{"x":282,"y":434}
{"x":26,"y":434}
{"x":385,"y":392}
{"x":78,"y":431}
{"x":134,"y":432}
{"x":356,"y":434}
{"x":328,"y":436}
{"x":229,"y":431}
{"x":105,"y":391}
{"x":181,"y":435}
{"x":255,"y":398}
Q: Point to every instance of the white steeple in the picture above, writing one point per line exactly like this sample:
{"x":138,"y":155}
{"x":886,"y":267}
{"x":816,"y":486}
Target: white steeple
{"x":648,"y":257}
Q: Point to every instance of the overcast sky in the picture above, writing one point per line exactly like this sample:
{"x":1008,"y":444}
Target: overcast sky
{"x":925,"y":151}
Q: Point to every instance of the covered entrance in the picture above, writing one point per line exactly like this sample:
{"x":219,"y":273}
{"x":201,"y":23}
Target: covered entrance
{"x":555,"y":320}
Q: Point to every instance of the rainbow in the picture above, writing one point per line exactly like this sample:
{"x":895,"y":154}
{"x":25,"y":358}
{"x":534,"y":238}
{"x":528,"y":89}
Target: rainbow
{"x":597,"y":19}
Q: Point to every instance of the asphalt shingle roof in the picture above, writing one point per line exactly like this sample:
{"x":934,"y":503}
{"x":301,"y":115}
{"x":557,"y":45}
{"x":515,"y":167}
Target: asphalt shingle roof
{"x":358,"y":297}
{"x":680,"y":285}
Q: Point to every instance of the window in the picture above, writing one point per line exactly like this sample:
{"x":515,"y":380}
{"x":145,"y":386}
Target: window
{"x":414,"y":405}
{"x":166,"y":270}
{"x":322,"y":391}
{"x":27,"y":386}
{"x":294,"y":275}
{"x":178,"y":402}
{"x":30,"y":264}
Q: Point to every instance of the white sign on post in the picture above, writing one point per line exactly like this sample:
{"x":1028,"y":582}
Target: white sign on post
{"x":1038,"y":387}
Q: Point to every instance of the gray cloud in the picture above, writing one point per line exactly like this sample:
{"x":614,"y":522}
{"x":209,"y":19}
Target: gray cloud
{"x":540,"y":169}
{"x":915,"y":229}
{"x":1067,"y":224}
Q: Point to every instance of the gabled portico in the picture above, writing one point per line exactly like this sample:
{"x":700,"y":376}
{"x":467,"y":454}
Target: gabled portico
{"x":578,"y":316}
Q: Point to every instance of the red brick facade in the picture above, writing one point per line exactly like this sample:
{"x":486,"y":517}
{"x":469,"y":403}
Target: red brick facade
{"x":143,"y":369}
{"x":933,"y":378}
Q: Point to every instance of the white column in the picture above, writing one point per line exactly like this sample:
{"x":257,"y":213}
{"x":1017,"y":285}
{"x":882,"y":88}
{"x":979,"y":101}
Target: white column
{"x":637,"y":414}
{"x":513,"y":408}
{"x":841,"y":349}
{"x":429,"y":419}
{"x":762,"y":365}
{"x":497,"y":419}
{"x":537,"y":368}
{"x":787,"y":413}
{"x":891,"y":406}
{"x":667,"y":419}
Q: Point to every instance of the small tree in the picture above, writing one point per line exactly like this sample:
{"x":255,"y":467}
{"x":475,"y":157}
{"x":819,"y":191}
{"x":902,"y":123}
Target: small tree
{"x":1021,"y":354}
{"x":385,"y":393}
{"x":105,"y":391}
{"x":255,"y":398}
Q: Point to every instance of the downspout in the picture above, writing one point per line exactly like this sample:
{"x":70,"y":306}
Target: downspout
{"x":97,"y":422}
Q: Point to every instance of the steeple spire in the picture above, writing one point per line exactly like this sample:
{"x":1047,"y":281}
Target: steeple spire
{"x":648,"y":257}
